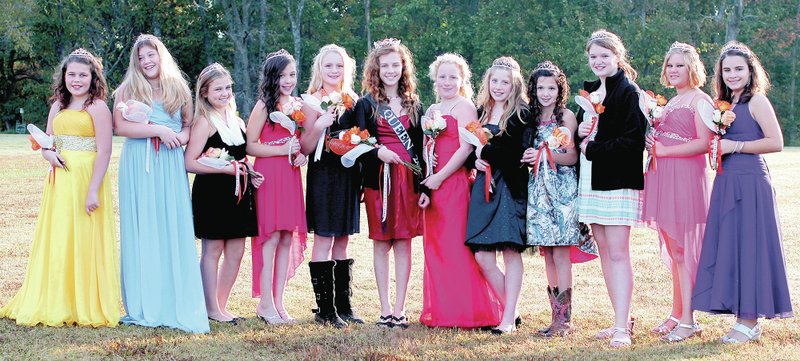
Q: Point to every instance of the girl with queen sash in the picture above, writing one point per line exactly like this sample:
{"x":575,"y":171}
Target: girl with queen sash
{"x":278,"y":250}
{"x":552,"y":215}
{"x":611,"y":171}
{"x":497,"y":223}
{"x":742,"y":270}
{"x":391,"y":189}
{"x":161,"y":284}
{"x":73,"y":275}
{"x":676,"y":191}
{"x":223,"y":200}
{"x":332,"y":191}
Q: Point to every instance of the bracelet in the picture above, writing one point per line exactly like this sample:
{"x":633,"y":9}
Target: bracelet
{"x":739,"y":146}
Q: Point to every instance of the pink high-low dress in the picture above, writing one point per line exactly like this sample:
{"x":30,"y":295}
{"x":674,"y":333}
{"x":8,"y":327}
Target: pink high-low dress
{"x":676,"y":193}
{"x":279,"y":204}
{"x":454,"y":291}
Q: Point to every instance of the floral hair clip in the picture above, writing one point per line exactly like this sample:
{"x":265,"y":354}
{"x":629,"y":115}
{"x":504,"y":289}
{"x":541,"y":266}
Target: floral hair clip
{"x":278,"y":53}
{"x":385,"y":42}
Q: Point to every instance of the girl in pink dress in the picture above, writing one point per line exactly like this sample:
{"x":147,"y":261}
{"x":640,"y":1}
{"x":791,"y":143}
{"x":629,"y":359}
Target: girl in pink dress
{"x":394,"y":217}
{"x":278,"y":250}
{"x":455,"y":292}
{"x":676,"y":185}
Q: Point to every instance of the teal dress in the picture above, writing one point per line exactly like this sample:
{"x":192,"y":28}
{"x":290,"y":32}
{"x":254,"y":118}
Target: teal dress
{"x":161,"y":283}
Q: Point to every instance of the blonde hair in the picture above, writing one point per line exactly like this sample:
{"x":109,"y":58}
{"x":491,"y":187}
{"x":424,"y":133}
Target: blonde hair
{"x":175,"y":91}
{"x":516,"y":101}
{"x":202,"y":108}
{"x":406,"y":86}
{"x":465,"y":89}
{"x":346,"y":85}
{"x":611,"y":41}
{"x":697,"y":72}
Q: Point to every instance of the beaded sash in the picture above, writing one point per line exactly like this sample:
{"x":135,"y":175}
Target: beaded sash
{"x":75,"y":143}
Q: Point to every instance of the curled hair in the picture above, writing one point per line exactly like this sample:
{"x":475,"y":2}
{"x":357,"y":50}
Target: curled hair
{"x":548,"y":69}
{"x":346,"y":84}
{"x":611,"y":41}
{"x":516,"y":101}
{"x":758,"y":82}
{"x":269,"y":88}
{"x":406,"y":86}
{"x":175,"y":91}
{"x":697,"y":72}
{"x":97,"y":86}
{"x":465,"y":88}
{"x":202,"y":108}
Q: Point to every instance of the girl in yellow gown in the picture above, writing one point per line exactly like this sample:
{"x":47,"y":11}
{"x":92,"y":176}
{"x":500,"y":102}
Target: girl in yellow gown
{"x":73,"y":270}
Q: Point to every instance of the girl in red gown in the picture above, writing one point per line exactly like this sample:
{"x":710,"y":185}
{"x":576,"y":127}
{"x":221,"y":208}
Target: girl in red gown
{"x":278,"y":250}
{"x":394,"y":216}
{"x":455,"y":293}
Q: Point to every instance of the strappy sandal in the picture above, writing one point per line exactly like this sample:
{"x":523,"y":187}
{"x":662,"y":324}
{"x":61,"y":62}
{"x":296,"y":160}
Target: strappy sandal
{"x":663,"y":328}
{"x":401,"y":322}
{"x":752,"y":334}
{"x":624,"y":340}
{"x":672,"y":336}
{"x":385,"y":322}
{"x":607,"y":333}
{"x":272,"y":320}
{"x":504,"y":331}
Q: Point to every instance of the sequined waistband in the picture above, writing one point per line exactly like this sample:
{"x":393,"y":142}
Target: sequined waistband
{"x":672,"y":135}
{"x":76,"y":143}
{"x":281,"y":141}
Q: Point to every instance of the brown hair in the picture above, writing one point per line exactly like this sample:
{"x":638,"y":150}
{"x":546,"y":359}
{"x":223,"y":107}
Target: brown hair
{"x":611,"y":41}
{"x":406,"y":87}
{"x":758,"y":82}
{"x":97,"y":86}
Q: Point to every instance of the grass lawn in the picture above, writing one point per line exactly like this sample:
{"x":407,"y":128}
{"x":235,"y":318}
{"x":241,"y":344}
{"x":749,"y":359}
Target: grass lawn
{"x":22,"y":175}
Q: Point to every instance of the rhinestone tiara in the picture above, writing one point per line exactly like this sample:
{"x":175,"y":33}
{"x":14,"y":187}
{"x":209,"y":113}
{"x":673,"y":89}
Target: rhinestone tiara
{"x":385,"y":42}
{"x":210,"y":68}
{"x":547,"y":65}
{"x":82,"y":53}
{"x":601,"y":34}
{"x":278,"y":53}
{"x":144,"y":37}
{"x":682,"y":47}
{"x":735,"y":46}
{"x":504,"y":63}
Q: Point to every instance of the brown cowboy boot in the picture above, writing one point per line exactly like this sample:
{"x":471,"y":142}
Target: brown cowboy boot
{"x":551,"y":294}
{"x":563,"y":323}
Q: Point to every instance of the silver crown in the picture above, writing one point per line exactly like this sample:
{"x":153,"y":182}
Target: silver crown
{"x":602,"y":34}
{"x":144,"y":37}
{"x":210,"y":68}
{"x":735,"y":47}
{"x":278,"y":53}
{"x":504,"y":63}
{"x":547,"y":66}
{"x":385,"y":42}
{"x":82,"y":53}
{"x":682,"y":47}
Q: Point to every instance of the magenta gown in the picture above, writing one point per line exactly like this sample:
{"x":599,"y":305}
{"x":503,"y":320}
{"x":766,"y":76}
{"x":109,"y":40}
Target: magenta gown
{"x":279,"y":204}
{"x":676,"y":193}
{"x":454,"y":291}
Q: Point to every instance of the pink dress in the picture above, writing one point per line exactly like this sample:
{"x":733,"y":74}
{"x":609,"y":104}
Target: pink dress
{"x":403,"y":215}
{"x":279,"y":204}
{"x":454,"y":291}
{"x":676,"y":193}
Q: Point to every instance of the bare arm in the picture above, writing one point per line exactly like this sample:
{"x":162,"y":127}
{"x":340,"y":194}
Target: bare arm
{"x":255,"y":125}
{"x":571,"y":156}
{"x":187,"y":115}
{"x":464,"y":113}
{"x":200,"y":132}
{"x":762,"y":111}
{"x":130,"y":129}
{"x":101,"y":117}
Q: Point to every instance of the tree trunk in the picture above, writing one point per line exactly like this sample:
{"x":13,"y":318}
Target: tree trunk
{"x":295,"y":17}
{"x":262,"y":32}
{"x":367,"y":24}
{"x":734,"y":21}
{"x":238,"y":31}
{"x":201,"y":10}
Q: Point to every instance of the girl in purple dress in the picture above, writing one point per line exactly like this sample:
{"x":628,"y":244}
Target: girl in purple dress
{"x":676,"y":191}
{"x":742,"y":269}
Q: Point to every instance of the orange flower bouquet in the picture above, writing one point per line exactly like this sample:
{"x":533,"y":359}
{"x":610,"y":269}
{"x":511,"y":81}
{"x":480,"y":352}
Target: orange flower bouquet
{"x":718,"y":118}
{"x":475,"y":134}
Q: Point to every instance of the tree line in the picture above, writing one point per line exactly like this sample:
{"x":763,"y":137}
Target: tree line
{"x":35,"y":35}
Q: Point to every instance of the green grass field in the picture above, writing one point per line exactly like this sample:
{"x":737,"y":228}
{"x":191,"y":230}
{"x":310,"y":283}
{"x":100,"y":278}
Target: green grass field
{"x":22,"y":174}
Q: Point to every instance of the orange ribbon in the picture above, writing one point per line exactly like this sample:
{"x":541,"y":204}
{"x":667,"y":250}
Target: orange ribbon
{"x":543,"y":148}
{"x":488,"y":183}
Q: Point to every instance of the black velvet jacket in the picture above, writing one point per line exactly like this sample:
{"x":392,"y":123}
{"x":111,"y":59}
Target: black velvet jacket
{"x":504,"y":152}
{"x":617,"y":150}
{"x":363,"y":115}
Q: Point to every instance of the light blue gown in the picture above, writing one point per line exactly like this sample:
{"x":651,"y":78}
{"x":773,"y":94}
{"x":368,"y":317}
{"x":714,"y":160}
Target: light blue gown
{"x":161,"y":283}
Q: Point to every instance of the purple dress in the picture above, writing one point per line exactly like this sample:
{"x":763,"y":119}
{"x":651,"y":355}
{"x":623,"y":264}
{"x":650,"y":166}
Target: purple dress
{"x":742,"y":269}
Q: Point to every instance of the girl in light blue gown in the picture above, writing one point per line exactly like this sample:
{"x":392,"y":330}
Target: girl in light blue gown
{"x":160,"y":273}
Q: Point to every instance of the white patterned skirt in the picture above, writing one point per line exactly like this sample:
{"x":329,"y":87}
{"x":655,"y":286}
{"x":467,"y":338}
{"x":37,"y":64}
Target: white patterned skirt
{"x":619,"y":207}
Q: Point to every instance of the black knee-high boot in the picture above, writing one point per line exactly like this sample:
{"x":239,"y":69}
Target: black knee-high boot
{"x":322,"y":280}
{"x":342,"y":278}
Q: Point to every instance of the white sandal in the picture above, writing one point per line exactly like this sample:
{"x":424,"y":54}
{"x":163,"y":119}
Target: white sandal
{"x":663,"y":329}
{"x":623,"y":341}
{"x":674,"y":337}
{"x":752,"y":334}
{"x":607,"y":333}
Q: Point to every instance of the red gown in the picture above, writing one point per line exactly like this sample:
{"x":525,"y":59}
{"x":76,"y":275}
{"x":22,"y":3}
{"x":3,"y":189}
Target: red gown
{"x":279,"y":204}
{"x":454,"y":291}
